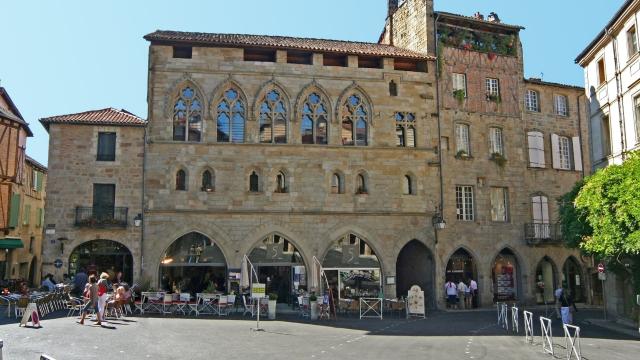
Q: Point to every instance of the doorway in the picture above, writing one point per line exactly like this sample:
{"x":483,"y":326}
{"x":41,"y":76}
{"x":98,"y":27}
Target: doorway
{"x":415,"y":266}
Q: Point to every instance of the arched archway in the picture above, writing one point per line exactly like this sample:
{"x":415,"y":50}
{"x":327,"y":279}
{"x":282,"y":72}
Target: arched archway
{"x":193,"y":263}
{"x":280,"y":265}
{"x":546,"y":281}
{"x":462,"y":267}
{"x":573,"y":279}
{"x":102,"y":255}
{"x":353,"y":268}
{"x":415,"y":266}
{"x":506,"y":276}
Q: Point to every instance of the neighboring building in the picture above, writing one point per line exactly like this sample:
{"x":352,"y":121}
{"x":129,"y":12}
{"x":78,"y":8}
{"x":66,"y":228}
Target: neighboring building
{"x":22,"y":196}
{"x":302,"y":152}
{"x":611,"y":65}
{"x":94,"y":192}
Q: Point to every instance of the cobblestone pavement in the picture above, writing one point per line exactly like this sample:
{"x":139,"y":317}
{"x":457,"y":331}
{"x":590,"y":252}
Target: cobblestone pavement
{"x":443,"y":335}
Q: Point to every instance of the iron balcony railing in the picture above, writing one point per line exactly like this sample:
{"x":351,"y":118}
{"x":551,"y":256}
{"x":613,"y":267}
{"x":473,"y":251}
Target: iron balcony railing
{"x":101,"y":217}
{"x":537,"y":234}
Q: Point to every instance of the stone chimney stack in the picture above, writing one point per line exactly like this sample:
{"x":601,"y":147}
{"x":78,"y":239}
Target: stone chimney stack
{"x":393,"y":6}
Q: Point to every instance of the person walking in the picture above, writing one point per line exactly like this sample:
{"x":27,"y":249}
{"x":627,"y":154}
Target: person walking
{"x":462,"y":288}
{"x":79,"y":281}
{"x":103,"y":288}
{"x":92,"y":303}
{"x":467,"y":296}
{"x":474,"y":292}
{"x":557,"y":294}
{"x":452,"y":292}
{"x":566,"y":303}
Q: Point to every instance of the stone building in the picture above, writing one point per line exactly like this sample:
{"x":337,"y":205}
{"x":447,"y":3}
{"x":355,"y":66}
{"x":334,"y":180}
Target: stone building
{"x":22,"y":197}
{"x":94,"y":192}
{"x":611,"y":71}
{"x":304,"y":153}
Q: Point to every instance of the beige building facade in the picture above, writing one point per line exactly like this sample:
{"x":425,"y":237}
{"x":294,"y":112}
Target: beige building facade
{"x":306,"y":153}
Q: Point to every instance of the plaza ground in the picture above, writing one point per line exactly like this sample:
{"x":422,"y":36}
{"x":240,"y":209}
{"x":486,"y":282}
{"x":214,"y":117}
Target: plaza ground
{"x":443,"y":335}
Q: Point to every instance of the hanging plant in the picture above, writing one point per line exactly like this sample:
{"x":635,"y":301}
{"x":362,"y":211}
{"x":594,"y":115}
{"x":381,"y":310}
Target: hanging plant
{"x":462,"y":155}
{"x":499,"y":159}
{"x":460,"y":95}
{"x":494,"y":98}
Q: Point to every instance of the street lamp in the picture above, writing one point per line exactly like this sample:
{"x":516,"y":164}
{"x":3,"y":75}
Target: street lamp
{"x":438,"y":223}
{"x":137,"y":221}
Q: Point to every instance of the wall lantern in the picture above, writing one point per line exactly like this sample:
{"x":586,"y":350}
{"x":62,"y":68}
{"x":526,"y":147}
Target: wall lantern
{"x":137,"y":221}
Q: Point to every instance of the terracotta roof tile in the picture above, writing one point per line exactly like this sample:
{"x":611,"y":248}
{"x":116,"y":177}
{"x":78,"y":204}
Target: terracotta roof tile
{"x":284,"y":42}
{"x":548,"y":83}
{"x":108,"y":116}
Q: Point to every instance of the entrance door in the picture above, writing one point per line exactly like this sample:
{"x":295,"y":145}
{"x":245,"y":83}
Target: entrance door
{"x":415,"y":267}
{"x":277,"y":280}
{"x":574,"y":280}
{"x":104,"y":200}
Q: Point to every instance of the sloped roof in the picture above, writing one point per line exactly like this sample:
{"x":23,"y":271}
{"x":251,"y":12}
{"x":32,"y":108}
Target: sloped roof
{"x":500,"y":25}
{"x":284,"y":42}
{"x":35,"y":163}
{"x":108,"y":116}
{"x":12,"y":113}
{"x":547,"y":83}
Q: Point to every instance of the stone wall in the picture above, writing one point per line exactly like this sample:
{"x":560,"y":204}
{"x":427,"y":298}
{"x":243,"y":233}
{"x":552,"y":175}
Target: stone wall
{"x":73,"y":170}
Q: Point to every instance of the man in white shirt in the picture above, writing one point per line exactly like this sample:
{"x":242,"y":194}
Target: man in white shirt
{"x":474,"y":292}
{"x":452,"y":293}
{"x":462,"y":288}
{"x":558,"y":294}
{"x":50,"y":285}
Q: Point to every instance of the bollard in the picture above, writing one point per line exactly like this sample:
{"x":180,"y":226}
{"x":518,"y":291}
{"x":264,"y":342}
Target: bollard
{"x":546,"y":335}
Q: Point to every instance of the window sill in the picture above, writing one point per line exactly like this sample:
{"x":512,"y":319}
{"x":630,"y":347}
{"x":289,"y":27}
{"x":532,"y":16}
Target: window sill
{"x":464,"y":158}
{"x":633,"y":58}
{"x":255,"y":192}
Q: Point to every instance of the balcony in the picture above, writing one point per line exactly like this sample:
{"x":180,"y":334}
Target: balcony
{"x":542,"y":234}
{"x":97,"y":217}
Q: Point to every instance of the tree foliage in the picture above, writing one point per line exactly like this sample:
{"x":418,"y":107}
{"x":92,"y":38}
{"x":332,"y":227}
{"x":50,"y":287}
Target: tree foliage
{"x":572,"y":220}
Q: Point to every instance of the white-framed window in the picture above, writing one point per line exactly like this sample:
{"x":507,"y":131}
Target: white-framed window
{"x":496,"y":144}
{"x":632,"y":41}
{"x":531,"y":101}
{"x":464,"y":203}
{"x":561,"y":105}
{"x":535,"y":141}
{"x":492,"y":87}
{"x":499,"y":204}
{"x":564,"y":152}
{"x":462,"y":139}
{"x":460,"y":83}
{"x":540,"y":214}
{"x":636,"y":111}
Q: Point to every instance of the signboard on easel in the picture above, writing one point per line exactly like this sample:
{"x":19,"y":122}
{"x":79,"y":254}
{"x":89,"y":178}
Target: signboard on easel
{"x":30,"y":314}
{"x":258,"y":290}
{"x":415,"y":302}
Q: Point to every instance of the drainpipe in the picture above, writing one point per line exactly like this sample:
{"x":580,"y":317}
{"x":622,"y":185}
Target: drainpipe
{"x":580,"y":133}
{"x":619,"y":96}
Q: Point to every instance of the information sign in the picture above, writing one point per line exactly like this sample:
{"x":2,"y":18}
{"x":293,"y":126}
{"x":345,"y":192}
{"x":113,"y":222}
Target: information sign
{"x":258,"y":290}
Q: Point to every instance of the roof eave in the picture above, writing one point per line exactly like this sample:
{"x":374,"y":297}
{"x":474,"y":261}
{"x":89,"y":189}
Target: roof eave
{"x":503,"y":26}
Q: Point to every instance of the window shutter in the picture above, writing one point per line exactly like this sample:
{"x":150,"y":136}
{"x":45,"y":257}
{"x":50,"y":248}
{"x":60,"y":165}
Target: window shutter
{"x":555,"y":150}
{"x":40,"y":214}
{"x":39,"y":183}
{"x":14,"y":214}
{"x":577,"y":154}
{"x":27,"y":215}
{"x":545,"y":209}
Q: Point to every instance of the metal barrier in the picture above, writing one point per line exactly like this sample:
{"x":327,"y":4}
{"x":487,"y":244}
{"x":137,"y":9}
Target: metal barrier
{"x":528,"y":326}
{"x":572,"y":341}
{"x":498,"y":310}
{"x":371,"y":308}
{"x":547,"y":335}
{"x":504,"y":311}
{"x":515,"y":317}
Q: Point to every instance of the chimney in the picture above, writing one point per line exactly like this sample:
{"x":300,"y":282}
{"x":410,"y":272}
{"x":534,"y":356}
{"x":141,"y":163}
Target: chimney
{"x":478,"y":15}
{"x":493,"y":17}
{"x":393,"y":6}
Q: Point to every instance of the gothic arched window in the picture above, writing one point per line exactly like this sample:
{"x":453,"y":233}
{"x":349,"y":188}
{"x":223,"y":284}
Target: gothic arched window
{"x":231,"y":117}
{"x":355,"y":112}
{"x":181,"y":180}
{"x":208,"y":182}
{"x":314,"y":120}
{"x":187,"y":116}
{"x":273,"y":119}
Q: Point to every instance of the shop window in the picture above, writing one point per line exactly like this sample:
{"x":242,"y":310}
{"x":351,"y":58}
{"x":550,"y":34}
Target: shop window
{"x":273,"y":118}
{"x":505,"y":276}
{"x":187,"y":116}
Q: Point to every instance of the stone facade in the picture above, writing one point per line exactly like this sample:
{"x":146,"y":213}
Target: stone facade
{"x":74,"y":170}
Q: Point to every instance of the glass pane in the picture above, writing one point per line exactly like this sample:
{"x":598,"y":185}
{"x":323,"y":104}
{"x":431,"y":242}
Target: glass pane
{"x":361,"y":133}
{"x":399,"y":136}
{"x":280,"y":131}
{"x":347,"y":132}
{"x":411,"y":137}
{"x":321,"y":131}
{"x":237,"y":130}
{"x":265,"y":129}
{"x":307,"y":130}
{"x":223,"y":127}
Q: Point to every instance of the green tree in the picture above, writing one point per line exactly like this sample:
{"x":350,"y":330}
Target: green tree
{"x":573,"y":221}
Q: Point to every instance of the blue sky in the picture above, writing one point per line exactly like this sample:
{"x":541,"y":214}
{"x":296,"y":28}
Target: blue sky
{"x":61,"y":57}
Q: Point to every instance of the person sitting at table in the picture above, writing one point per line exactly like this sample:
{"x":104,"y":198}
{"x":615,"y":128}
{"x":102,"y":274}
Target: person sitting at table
{"x":49,"y":283}
{"x":117,"y":302}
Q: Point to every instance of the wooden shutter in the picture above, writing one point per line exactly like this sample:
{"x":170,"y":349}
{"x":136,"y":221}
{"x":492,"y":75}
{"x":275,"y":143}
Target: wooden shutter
{"x":536,"y":149}
{"x":39,"y":183}
{"x":555,"y":150}
{"x":27,"y":215}
{"x":39,"y":214}
{"x":577,"y":154}
{"x":14,"y":211}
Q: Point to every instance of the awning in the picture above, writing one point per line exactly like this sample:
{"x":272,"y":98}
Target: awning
{"x":11,"y":243}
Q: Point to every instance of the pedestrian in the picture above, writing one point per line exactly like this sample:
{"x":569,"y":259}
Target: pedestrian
{"x":93,"y":301}
{"x":49,"y":283}
{"x":566,"y":304}
{"x":467,"y":297}
{"x":557,"y":294}
{"x":452,"y":292}
{"x":103,"y":288}
{"x":474,"y":293}
{"x":80,"y":281}
{"x":462,"y":288}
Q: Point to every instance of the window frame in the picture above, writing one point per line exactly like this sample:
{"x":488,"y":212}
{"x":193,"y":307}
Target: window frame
{"x":492,"y":87}
{"x":408,"y":185}
{"x":339,"y":187}
{"x":632,"y":41}
{"x":349,"y":115}
{"x":636,"y":113}
{"x":465,"y":203}
{"x":532,"y":100}
{"x":559,"y":110}
{"x":496,"y":141}
{"x":564,"y":153}
{"x":189,"y":111}
{"x":463,"y":138}
{"x":282,"y":186}
{"x":455,"y":82}
{"x":212,"y":182}
{"x":405,"y":123}
{"x":318,"y":115}
{"x":254,"y":186}
{"x":274,"y":116}
{"x":601,"y":69}
{"x":106,"y":156}
{"x":362,"y":186}
{"x":181,"y":180}
{"x":231,"y":114}
{"x":538,"y":135}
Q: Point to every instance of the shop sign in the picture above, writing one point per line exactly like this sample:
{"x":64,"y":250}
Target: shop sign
{"x":258,"y":290}
{"x":415,"y":301}
{"x":274,"y":251}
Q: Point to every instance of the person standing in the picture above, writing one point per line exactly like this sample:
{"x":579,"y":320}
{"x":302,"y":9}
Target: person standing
{"x":566,"y":302}
{"x":474,"y":292}
{"x":80,"y":281}
{"x":452,"y":292}
{"x":92,"y":303}
{"x":467,"y":297}
{"x":103,"y":288}
{"x":462,"y":288}
{"x":557,"y":294}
